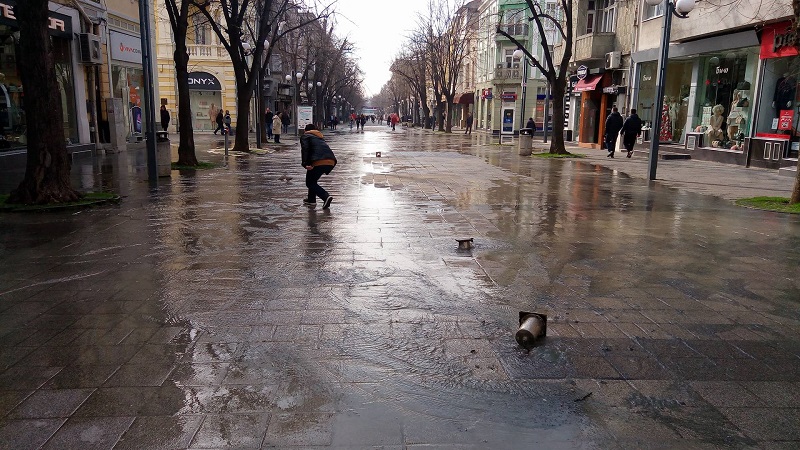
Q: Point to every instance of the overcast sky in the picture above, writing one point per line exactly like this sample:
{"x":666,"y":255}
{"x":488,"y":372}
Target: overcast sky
{"x":377,"y":28}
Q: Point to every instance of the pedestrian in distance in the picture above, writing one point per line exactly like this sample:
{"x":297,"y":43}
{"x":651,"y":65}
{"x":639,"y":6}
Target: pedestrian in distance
{"x":164,"y":117}
{"x":531,"y":125}
{"x":630,"y":130}
{"x":363,"y":121}
{"x":318,"y":159}
{"x":220,"y":122}
{"x":286,"y":120}
{"x":277,"y":124}
{"x":469,"y":124}
{"x":394,"y":119}
{"x":268,"y":116}
{"x":227,"y":121}
{"x":613,"y":127}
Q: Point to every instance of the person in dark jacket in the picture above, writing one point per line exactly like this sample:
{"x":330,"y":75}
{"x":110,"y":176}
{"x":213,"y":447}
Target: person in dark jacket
{"x":613,"y":127}
{"x":285,"y":122}
{"x":468,"y":130}
{"x":630,"y":130}
{"x":220,"y":122}
{"x":318,"y":159}
{"x":164,"y":117}
{"x":531,"y":125}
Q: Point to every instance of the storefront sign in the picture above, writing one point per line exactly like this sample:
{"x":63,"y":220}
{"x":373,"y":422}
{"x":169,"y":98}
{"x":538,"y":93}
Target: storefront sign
{"x":785,"y":120}
{"x":582,"y":72}
{"x":509,"y":96}
{"x":778,"y":40}
{"x":615,"y":90}
{"x":203,"y":81}
{"x":486,"y":94}
{"x":60,"y":25}
{"x":125,"y":47}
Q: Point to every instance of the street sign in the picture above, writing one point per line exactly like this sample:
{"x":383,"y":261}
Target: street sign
{"x":582,"y":72}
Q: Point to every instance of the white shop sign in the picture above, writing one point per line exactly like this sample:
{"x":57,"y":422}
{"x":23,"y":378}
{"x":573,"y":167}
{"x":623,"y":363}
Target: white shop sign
{"x":125,"y":47}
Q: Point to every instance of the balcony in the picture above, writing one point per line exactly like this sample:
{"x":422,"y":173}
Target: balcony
{"x":517,"y":30}
{"x":207,"y":52}
{"x":593,"y":46}
{"x":502,"y":73}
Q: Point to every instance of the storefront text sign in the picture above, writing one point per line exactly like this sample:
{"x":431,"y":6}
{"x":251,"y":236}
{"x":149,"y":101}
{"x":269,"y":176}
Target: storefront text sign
{"x":203,"y":81}
{"x":60,"y":25}
{"x":125,"y":47}
{"x":778,"y":40}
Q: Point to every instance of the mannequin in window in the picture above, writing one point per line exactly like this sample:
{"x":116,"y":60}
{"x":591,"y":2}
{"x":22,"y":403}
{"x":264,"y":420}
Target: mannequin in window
{"x":784,"y":93}
{"x":715,"y":132}
{"x":665,"y":133}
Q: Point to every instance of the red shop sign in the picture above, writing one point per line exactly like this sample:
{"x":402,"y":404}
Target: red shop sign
{"x":785,"y":120}
{"x":778,"y":40}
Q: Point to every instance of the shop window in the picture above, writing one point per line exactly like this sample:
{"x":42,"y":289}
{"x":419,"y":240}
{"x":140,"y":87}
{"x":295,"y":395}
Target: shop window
{"x":675,"y":109}
{"x":778,"y":114}
{"x":724,"y":106}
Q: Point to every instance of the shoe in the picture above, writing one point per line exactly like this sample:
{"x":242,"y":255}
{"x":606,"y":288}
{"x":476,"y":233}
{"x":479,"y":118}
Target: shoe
{"x":327,"y":202}
{"x":308,"y":202}
{"x":629,"y":154}
{"x":610,"y":155}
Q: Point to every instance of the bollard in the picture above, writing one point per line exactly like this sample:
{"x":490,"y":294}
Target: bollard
{"x":226,"y":142}
{"x":377,"y":154}
{"x":464,"y":244}
{"x":532,"y":326}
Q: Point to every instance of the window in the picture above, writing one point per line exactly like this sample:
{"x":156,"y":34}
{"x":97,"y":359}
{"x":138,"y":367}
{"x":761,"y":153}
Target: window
{"x":200,"y":30}
{"x":510,"y":61}
{"x":590,"y":17}
{"x":608,"y":18}
{"x":653,"y":11}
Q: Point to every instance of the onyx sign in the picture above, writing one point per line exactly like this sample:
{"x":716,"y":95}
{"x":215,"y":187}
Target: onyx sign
{"x":203,"y":81}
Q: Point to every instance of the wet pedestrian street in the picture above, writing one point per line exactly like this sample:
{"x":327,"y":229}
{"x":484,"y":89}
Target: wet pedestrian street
{"x":220,"y":312}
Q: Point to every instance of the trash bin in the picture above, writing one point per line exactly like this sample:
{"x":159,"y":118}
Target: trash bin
{"x":525,"y":141}
{"x":163,"y":154}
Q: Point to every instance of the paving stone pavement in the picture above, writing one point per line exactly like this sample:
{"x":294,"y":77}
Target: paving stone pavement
{"x":219,"y":312}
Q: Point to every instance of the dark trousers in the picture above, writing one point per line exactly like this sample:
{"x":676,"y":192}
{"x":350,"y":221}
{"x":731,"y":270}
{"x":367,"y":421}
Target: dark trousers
{"x":277,"y":138}
{"x":629,"y":141}
{"x":314,"y":189}
{"x":219,"y":128}
{"x":269,"y":129}
{"x":611,"y":145}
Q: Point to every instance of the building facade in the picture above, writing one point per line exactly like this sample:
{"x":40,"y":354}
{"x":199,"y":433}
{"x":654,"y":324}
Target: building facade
{"x":730,"y":93}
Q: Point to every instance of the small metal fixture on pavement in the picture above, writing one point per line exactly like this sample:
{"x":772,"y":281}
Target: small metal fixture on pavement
{"x":377,"y":154}
{"x":464,"y":244}
{"x":532,"y":326}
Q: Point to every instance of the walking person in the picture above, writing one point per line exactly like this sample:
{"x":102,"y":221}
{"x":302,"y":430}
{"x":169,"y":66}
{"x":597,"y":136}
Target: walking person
{"x":394,"y":119}
{"x":285,"y":121}
{"x":613,"y":127}
{"x":276,"y":127}
{"x":469,"y":124}
{"x":630,"y":130}
{"x":227,"y":121}
{"x":268,"y":116}
{"x":318,"y":159}
{"x":363,"y":121}
{"x":164,"y":117}
{"x":220,"y":123}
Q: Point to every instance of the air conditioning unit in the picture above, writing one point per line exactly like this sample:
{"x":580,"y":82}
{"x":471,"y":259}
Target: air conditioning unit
{"x":613,"y":60}
{"x":90,"y":49}
{"x":501,"y":66}
{"x":515,"y":66}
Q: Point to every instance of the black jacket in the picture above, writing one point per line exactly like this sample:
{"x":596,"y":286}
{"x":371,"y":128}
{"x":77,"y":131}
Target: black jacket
{"x":532,"y":125}
{"x":613,"y":125}
{"x":632,"y":125}
{"x":314,"y":148}
{"x":165,"y":117}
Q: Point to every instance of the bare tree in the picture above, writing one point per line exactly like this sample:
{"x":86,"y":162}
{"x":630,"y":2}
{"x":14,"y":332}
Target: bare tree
{"x":260,"y":24}
{"x":47,"y":172}
{"x":447,"y":28}
{"x":411,"y":66}
{"x":178,"y":12}
{"x":554,"y":71}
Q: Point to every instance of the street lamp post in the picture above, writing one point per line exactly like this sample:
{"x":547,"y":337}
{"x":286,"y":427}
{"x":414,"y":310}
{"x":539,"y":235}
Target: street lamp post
{"x":681,"y":9}
{"x":520,"y":55}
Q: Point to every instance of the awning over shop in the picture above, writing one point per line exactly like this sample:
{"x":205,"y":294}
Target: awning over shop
{"x":466,"y":98}
{"x":588,"y":84}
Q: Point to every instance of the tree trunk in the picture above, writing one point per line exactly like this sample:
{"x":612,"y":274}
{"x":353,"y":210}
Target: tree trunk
{"x":440,"y":111}
{"x":186,"y":150}
{"x":243,"y":96}
{"x":47,"y":172}
{"x":557,"y":143}
{"x":449,"y":119}
{"x":795,"y":198}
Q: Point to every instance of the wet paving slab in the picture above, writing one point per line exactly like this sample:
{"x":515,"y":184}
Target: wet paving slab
{"x":218,"y":311}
